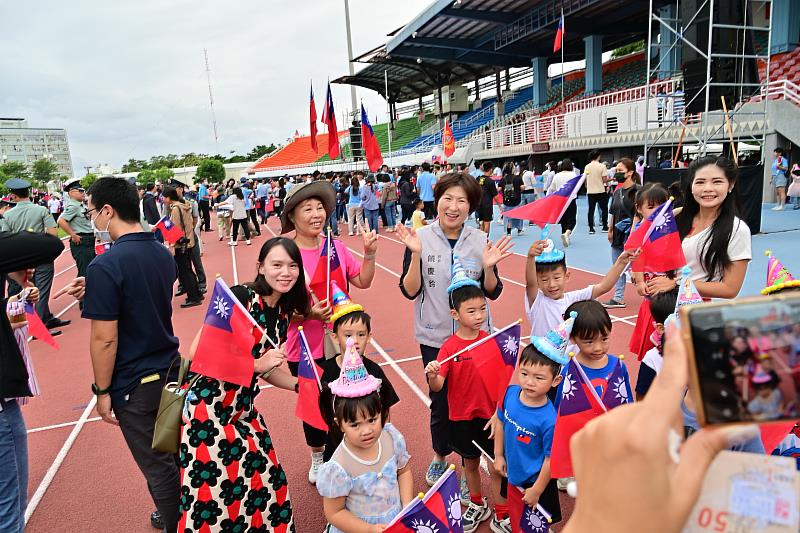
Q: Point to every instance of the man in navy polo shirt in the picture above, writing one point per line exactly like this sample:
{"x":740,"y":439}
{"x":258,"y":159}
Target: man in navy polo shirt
{"x":129,"y":301}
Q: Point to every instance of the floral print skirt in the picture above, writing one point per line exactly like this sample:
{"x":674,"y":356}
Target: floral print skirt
{"x":231,"y":480}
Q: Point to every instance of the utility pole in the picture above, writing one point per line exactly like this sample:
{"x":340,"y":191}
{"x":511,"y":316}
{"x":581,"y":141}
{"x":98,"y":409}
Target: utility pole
{"x":351,"y":69}
{"x":88,"y":168}
{"x":211,"y":99}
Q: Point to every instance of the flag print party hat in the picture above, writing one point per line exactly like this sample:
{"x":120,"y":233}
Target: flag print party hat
{"x":687,"y":292}
{"x":342,"y":304}
{"x":761,"y":377}
{"x":354,"y":381}
{"x":554,"y":344}
{"x":551,"y":254}
{"x":459,"y":277}
{"x":778,"y":276}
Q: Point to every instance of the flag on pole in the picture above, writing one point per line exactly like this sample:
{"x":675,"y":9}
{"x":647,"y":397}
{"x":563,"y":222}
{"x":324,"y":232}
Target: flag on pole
{"x":659,"y":243}
{"x":313,"y":122}
{"x":329,"y":268}
{"x":225,"y":349}
{"x":618,"y":389}
{"x":36,"y":327}
{"x":169,"y":230}
{"x":559,"y":40}
{"x":371,"y":148}
{"x":551,"y":208}
{"x":448,"y":140}
{"x":329,"y":119}
{"x":525,"y":519}
{"x":439,"y":510}
{"x":308,"y":386}
{"x":578,"y":406}
{"x":101,"y":248}
{"x":495,"y":361}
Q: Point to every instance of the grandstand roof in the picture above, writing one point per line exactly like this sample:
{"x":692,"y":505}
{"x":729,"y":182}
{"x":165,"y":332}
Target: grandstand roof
{"x":458,"y":41}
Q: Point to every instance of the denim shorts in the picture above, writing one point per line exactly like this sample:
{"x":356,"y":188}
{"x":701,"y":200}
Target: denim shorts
{"x":779,"y":181}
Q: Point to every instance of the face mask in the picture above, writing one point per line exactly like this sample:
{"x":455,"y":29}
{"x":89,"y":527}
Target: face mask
{"x":102,"y":235}
{"x":619,"y":176}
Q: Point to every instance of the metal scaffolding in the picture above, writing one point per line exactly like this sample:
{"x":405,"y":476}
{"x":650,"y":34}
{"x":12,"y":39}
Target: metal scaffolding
{"x":710,"y":123}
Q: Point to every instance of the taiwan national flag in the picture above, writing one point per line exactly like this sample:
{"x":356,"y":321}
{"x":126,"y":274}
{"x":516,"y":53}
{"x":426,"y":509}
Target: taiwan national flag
{"x":308,"y":387}
{"x":618,"y":390}
{"x":659,"y":243}
{"x":439,"y":510}
{"x":559,"y":40}
{"x":495,"y":361}
{"x":329,"y":268}
{"x":225,"y":349}
{"x":371,"y":148}
{"x":550,"y":209}
{"x":578,"y":406}
{"x":313,"y":122}
{"x":329,"y":118}
{"x":525,"y":519}
{"x":36,"y":327}
{"x":101,"y":248}
{"x":169,"y":230}
{"x":783,"y":439}
{"x":448,"y":140}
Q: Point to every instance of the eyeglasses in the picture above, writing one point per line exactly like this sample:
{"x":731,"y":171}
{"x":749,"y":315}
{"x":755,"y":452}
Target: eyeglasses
{"x":87,"y":213}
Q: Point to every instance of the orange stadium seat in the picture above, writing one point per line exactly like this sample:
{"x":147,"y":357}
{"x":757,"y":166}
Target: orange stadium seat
{"x":297,"y":152}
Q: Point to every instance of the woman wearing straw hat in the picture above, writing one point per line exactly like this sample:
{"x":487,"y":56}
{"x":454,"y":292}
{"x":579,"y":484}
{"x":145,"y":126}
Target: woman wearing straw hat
{"x":307,"y":207}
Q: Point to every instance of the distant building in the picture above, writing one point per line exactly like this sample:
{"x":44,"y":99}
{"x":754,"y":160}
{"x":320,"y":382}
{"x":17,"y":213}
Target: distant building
{"x":18,"y":142}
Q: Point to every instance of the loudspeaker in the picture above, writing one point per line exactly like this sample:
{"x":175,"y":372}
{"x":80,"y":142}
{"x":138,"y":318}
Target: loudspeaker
{"x":733,"y":70}
{"x":355,"y":141}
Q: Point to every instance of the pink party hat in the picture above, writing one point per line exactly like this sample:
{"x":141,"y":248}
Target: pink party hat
{"x":778,"y":276}
{"x":760,"y":377}
{"x":342,"y":305}
{"x":687,"y":292}
{"x":354,"y":381}
{"x":554,"y":344}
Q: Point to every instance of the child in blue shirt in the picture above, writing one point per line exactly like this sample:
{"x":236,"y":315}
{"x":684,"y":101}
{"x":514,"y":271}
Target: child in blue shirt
{"x":524,"y":432}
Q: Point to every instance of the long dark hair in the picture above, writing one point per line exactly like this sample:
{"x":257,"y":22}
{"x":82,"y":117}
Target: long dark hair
{"x":354,"y":183}
{"x":296,"y":300}
{"x":714,"y":250}
{"x":237,"y":191}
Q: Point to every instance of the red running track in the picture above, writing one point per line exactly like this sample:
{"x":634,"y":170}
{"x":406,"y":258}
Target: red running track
{"x":82,"y":476}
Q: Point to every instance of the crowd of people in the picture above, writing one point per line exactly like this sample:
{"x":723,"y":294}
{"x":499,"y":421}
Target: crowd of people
{"x":226,"y":475}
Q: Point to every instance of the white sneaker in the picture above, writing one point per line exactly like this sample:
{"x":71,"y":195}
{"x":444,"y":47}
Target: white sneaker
{"x":474,"y":515}
{"x":316,"y":463}
{"x":562,"y":483}
{"x":247,"y":242}
{"x":565,"y":239}
{"x":777,"y":208}
{"x":233,"y":243}
{"x":500,"y":526}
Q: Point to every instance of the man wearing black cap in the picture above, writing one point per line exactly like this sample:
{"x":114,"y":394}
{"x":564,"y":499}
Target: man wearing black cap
{"x":75,"y":222}
{"x":27,"y":216}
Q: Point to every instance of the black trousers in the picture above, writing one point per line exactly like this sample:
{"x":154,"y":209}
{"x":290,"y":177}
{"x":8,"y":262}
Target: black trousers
{"x":406,"y":210}
{"x":252,"y":214}
{"x":569,"y":219}
{"x":430,"y":210}
{"x":315,"y":438}
{"x":601,"y":199}
{"x":205,"y":214}
{"x":245,"y":228}
{"x":186,"y":276}
{"x":83,"y":253}
{"x":440,"y":411}
{"x":197,"y":264}
{"x":137,"y":420}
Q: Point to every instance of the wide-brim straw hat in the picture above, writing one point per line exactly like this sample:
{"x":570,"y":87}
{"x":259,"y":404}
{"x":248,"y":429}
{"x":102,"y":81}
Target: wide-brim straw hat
{"x":322,"y":190}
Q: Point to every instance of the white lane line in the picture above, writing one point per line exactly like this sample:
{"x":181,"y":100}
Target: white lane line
{"x":400,"y":372}
{"x":62,"y":454}
{"x":68,"y":268}
{"x":235,"y":269}
{"x":63,"y":425}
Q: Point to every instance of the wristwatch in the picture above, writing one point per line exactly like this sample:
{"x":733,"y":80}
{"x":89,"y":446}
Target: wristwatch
{"x":97,"y":391}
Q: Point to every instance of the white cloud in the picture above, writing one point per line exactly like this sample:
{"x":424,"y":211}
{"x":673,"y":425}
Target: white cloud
{"x":127,"y":79}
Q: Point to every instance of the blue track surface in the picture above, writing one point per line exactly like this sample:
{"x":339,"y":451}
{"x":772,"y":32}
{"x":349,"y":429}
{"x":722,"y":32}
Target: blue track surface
{"x":780,"y":233}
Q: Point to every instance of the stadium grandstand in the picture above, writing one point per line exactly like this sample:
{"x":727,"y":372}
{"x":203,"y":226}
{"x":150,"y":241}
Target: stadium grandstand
{"x":488,"y":67}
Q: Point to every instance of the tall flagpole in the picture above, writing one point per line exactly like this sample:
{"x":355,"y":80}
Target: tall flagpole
{"x":563,"y":41}
{"x":389,"y":112}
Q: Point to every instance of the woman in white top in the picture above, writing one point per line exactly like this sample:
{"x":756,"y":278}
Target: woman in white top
{"x":566,"y":171}
{"x":716,"y":242}
{"x":236,"y":203}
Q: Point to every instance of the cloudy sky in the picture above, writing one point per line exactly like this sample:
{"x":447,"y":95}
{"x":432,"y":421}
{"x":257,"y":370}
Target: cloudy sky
{"x":127,"y":79}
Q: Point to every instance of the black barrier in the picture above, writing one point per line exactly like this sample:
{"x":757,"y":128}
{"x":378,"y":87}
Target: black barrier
{"x":750,"y":185}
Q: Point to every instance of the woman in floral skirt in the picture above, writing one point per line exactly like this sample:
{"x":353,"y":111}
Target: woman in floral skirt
{"x":231,"y":478}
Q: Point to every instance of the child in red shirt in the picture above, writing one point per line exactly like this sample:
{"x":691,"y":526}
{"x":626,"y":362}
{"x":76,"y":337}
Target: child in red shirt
{"x":471,"y":407}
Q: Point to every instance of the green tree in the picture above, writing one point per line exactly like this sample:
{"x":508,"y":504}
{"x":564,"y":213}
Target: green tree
{"x":162,"y":174}
{"x":134,"y":165}
{"x":212,"y":170}
{"x":637,"y":46}
{"x":43,"y":170}
{"x":260,"y":151}
{"x":88,"y":180}
{"x":14,"y":169}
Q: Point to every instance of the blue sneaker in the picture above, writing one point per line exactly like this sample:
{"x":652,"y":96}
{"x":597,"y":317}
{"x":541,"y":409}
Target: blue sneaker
{"x":435,"y":471}
{"x":464,"y":491}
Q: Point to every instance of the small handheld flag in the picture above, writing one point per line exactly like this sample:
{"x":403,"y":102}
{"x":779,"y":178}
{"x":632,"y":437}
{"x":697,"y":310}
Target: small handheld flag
{"x":308,"y":386}
{"x":659,"y":243}
{"x":36,"y":327}
{"x":169,"y":230}
{"x":101,"y":248}
{"x":329,"y":269}
{"x":438,"y":510}
{"x":551,"y":208}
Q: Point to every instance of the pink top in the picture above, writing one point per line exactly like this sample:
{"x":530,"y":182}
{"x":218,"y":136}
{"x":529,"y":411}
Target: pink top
{"x":314,"y":328}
